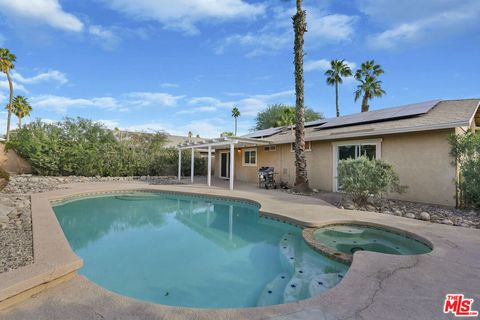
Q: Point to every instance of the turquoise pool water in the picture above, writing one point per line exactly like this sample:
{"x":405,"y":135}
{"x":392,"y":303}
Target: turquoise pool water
{"x":351,"y":238}
{"x":193,"y":251}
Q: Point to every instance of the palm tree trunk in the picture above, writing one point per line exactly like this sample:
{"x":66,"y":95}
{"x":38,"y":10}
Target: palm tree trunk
{"x":365,"y":103}
{"x":300,"y":27}
{"x":19,"y":123}
{"x":9,"y":105}
{"x":336,"y":99}
{"x":235,"y":126}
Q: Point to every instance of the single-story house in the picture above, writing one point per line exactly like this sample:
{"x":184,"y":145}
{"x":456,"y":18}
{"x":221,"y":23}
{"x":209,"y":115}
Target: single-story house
{"x":414,"y":138}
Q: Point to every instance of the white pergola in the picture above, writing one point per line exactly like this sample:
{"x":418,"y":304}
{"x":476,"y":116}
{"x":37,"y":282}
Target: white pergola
{"x":212,"y":144}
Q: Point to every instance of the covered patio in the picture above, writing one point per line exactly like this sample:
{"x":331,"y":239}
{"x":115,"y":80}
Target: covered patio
{"x":211,"y":145}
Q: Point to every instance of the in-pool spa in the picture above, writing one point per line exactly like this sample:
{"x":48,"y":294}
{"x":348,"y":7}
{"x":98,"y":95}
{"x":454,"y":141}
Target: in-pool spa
{"x":349,"y":238}
{"x":193,"y":251}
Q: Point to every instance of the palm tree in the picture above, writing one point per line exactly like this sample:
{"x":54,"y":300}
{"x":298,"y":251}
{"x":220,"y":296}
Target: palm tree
{"x":369,"y":85}
{"x":235,"y":114}
{"x":287,"y":118}
{"x":338,"y":69}
{"x":6,"y":64}
{"x":20,"y":108}
{"x":299,"y":27}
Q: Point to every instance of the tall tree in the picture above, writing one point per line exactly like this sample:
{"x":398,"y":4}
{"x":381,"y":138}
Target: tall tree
{"x":20,"y":108}
{"x":300,"y":27}
{"x":338,"y":70}
{"x":287,"y":118}
{"x":273,"y":116}
{"x":370,"y":87}
{"x":6,"y":65}
{"x":235,"y":115}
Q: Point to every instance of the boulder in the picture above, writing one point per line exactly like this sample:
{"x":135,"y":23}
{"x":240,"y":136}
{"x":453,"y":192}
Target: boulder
{"x":409,"y":215}
{"x":425,"y":216}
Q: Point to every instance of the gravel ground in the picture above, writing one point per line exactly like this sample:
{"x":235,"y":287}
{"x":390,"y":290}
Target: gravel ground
{"x":413,"y":210}
{"x":16,"y":238}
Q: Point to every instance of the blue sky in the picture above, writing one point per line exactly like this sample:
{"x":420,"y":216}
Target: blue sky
{"x":182,"y":65}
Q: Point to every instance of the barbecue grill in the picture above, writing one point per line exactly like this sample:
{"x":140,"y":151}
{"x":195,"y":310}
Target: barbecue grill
{"x":266,"y":178}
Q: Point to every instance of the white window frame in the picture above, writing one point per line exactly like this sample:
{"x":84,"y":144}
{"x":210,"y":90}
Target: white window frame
{"x":378,"y":154}
{"x":243,"y":157}
{"x":292,"y":146}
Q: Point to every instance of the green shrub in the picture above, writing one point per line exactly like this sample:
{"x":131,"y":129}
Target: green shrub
{"x":465,"y":150}
{"x":85,"y":148}
{"x":361,"y":178}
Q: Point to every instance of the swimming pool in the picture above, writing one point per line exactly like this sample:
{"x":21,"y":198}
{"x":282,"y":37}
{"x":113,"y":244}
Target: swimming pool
{"x":193,"y":251}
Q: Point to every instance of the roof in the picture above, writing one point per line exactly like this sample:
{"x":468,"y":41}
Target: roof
{"x":428,"y":115}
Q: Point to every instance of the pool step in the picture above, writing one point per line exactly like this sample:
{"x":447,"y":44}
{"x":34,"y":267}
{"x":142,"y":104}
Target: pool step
{"x":289,"y":246}
{"x":323,"y":282}
{"x":273,"y":291}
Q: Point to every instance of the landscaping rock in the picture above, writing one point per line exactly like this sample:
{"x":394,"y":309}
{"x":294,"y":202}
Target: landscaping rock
{"x":424,"y":216}
{"x":409,"y":215}
{"x":447,"y":222}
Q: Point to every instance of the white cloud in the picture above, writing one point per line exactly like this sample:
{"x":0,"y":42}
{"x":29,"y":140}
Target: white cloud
{"x":145,"y":99}
{"x":49,"y":12}
{"x":277,"y":33}
{"x":61,"y":104}
{"x":125,"y":102}
{"x":431,"y":19}
{"x":248,"y":106}
{"x":323,"y":65}
{"x":169,"y":85}
{"x":185,"y":14}
{"x":206,"y":129}
{"x":16,"y":87}
{"x":111,"y":124}
{"x":51,"y":75}
{"x":107,"y":38}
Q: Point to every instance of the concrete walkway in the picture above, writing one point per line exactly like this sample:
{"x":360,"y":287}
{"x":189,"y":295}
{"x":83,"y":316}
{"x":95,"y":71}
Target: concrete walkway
{"x":377,"y":286}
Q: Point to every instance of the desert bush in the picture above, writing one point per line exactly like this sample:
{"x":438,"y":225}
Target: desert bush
{"x":465,"y":150}
{"x":85,"y":148}
{"x":362,"y":178}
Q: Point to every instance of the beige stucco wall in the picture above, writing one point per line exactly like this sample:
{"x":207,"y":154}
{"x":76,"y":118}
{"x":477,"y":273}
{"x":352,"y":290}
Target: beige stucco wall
{"x":421,"y":159}
{"x":423,"y":163}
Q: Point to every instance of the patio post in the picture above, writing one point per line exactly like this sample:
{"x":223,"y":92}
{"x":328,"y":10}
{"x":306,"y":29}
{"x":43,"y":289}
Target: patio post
{"x":179,"y":164}
{"x":192,"y":165}
{"x":209,"y":178}
{"x":232,"y":165}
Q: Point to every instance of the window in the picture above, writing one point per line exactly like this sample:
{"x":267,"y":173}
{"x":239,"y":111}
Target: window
{"x":250,"y":157}
{"x":355,"y":151}
{"x":308,"y":146}
{"x":371,"y":149}
{"x":270,"y":148}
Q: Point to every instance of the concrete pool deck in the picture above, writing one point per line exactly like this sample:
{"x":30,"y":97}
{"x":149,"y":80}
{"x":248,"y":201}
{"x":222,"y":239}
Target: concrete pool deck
{"x":377,"y":286}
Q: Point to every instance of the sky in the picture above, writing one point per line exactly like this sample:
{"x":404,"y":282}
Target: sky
{"x":181,"y":66}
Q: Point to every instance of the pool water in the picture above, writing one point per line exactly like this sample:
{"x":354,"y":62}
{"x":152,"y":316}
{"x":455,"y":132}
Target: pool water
{"x":351,"y":238}
{"x":193,"y":251}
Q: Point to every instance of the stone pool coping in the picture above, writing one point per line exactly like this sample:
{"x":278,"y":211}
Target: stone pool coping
{"x":376,"y":285}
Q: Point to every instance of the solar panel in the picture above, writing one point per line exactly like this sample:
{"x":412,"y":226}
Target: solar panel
{"x":409,"y":110}
{"x":315,"y":122}
{"x":263,"y":133}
